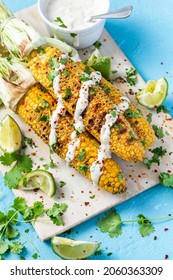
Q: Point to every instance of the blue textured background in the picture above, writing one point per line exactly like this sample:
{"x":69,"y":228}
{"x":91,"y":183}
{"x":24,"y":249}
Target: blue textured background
{"x":146,"y":39}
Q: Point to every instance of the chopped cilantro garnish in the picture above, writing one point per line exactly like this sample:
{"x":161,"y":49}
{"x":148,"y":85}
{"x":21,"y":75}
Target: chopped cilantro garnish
{"x":63,"y":60}
{"x":166,"y":179}
{"x":51,"y":76}
{"x":131,"y":76}
{"x":62,"y":184}
{"x":61,"y":23}
{"x":42,"y":88}
{"x":162,"y":109}
{"x":107,"y":90}
{"x":53,"y":63}
{"x":97,"y":45}
{"x":67,"y":94}
{"x":83,"y":168}
{"x":131,"y":114}
{"x":145,"y":226}
{"x":85,"y":78}
{"x":44,"y":118}
{"x":65,"y":72}
{"x":133,"y":136}
{"x":149,"y":118}
{"x":73,"y":35}
{"x":87,"y":70}
{"x":44,"y":103}
{"x":56,"y":212}
{"x":120,"y":176}
{"x":81,"y":156}
{"x":157,"y":154}
{"x":41,"y":51}
{"x":158,"y":131}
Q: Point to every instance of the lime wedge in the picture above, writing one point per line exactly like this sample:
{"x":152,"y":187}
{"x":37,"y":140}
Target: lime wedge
{"x":100,"y":63}
{"x":72,"y":249}
{"x":38,"y":179}
{"x":10,"y":135}
{"x":154,"y":93}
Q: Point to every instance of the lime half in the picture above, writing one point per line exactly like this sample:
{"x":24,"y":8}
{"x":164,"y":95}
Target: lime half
{"x":72,"y":249}
{"x":100,"y":63}
{"x":38,"y":179}
{"x":10,"y":135}
{"x":154,"y":93}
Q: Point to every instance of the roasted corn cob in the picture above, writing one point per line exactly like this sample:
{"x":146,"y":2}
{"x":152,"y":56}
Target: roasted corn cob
{"x":136,"y":119}
{"x":31,"y":109}
{"x":123,"y":140}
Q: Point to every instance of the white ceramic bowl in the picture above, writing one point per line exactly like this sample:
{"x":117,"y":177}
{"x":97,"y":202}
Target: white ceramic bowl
{"x":85,"y":37}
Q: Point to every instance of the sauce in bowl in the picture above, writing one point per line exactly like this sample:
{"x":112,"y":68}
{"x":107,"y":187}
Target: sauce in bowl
{"x":74,"y":15}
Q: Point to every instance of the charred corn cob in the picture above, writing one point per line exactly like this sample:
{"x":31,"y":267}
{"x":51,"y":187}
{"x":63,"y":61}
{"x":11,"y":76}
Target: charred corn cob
{"x":31,"y":109}
{"x":136,"y":119}
{"x":123,"y":140}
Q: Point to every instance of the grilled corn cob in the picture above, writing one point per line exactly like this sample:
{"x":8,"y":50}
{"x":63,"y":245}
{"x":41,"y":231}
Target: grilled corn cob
{"x":138,"y":122}
{"x":123,"y":140}
{"x":31,"y":109}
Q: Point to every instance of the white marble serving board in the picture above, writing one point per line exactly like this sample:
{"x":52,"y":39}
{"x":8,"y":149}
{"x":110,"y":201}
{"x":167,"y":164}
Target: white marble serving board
{"x":78,"y":191}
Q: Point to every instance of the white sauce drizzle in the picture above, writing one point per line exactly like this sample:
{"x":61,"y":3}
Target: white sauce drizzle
{"x":82,"y":103}
{"x":60,"y":109}
{"x":104,"y":152}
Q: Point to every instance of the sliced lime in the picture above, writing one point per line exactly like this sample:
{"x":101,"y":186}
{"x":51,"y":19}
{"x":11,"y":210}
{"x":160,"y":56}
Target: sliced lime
{"x":100,"y":63}
{"x":72,"y":249}
{"x":154,"y":93}
{"x":38,"y":179}
{"x":10,"y":135}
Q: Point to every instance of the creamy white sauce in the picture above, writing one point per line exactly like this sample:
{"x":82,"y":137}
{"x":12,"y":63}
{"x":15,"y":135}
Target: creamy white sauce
{"x":82,"y":103}
{"x":104,"y":150}
{"x":75,"y":14}
{"x":60,"y":109}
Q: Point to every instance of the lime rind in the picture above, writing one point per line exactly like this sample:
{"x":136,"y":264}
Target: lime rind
{"x":10,"y":135}
{"x":40,"y":180}
{"x":154,"y":94}
{"x":69,"y":249}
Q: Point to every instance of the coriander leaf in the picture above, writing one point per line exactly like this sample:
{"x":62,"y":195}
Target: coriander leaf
{"x":158,"y":131}
{"x":111,"y":223}
{"x":19,"y":204}
{"x":29,"y":141}
{"x":97,"y":45}
{"x":162,"y":108}
{"x":61,"y":23}
{"x":131,"y":76}
{"x":3,"y":246}
{"x":67,"y":94}
{"x":83,"y":168}
{"x":131,"y":114}
{"x":16,"y":248}
{"x":35,"y":256}
{"x":10,"y":232}
{"x":53,"y":63}
{"x":166,"y":179}
{"x":62,"y":184}
{"x":73,"y":35}
{"x":25,"y":163}
{"x":3,"y":220}
{"x":8,"y":159}
{"x":44,"y":118}
{"x":157,"y":153}
{"x":38,"y":209}
{"x":85,"y":78}
{"x":27,"y":214}
{"x":12,"y":216}
{"x":87,"y":70}
{"x":81,"y":156}
{"x":12,"y":177}
{"x":149,"y":118}
{"x":51,"y":76}
{"x":145,"y":226}
{"x":66,"y":72}
{"x":56,"y":212}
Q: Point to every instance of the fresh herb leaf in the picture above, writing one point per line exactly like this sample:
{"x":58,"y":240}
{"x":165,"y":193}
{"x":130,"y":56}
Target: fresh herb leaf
{"x":38,"y":209}
{"x":63,"y":60}
{"x":62,"y":184}
{"x":83,"y":168}
{"x":157,"y":154}
{"x":120,"y":176}
{"x":133,"y":136}
{"x":131,"y":114}
{"x":131,"y":76}
{"x":67,"y":94}
{"x":81,"y":156}
{"x":53,"y":63}
{"x":111,"y":223}
{"x":85,"y":78}
{"x":42,"y":88}
{"x":61,"y":23}
{"x":44,"y":118}
{"x":51,"y":76}
{"x":145,"y":226}
{"x":29,"y":141}
{"x":166,"y":179}
{"x":87,"y":70}
{"x":7,"y":159}
{"x":149,"y":119}
{"x":158,"y":131}
{"x":16,"y":247}
{"x":97,"y":45}
{"x":56,"y":212}
{"x":12,"y":177}
{"x":73,"y":35}
{"x":3,"y":247}
{"x":35,"y":256}
{"x":40,"y":51}
{"x":66,"y":72}
{"x":162,"y":109}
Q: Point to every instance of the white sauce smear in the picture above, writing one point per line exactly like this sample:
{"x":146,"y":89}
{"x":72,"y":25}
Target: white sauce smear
{"x":104,"y":150}
{"x":75,"y":14}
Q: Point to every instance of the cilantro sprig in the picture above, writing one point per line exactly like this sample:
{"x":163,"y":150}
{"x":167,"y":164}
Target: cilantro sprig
{"x":11,"y":219}
{"x":131,"y":76}
{"x":157,"y":154}
{"x":112,"y":224}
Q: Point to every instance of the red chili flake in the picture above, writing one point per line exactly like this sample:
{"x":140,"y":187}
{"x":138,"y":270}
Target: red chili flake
{"x":33,"y":154}
{"x":166,"y":257}
{"x":155,"y":170}
{"x":86,"y":203}
{"x":41,"y":197}
{"x":169,"y":215}
{"x":29,"y":129}
{"x":155,"y":237}
{"x":72,"y":175}
{"x":165,"y":229}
